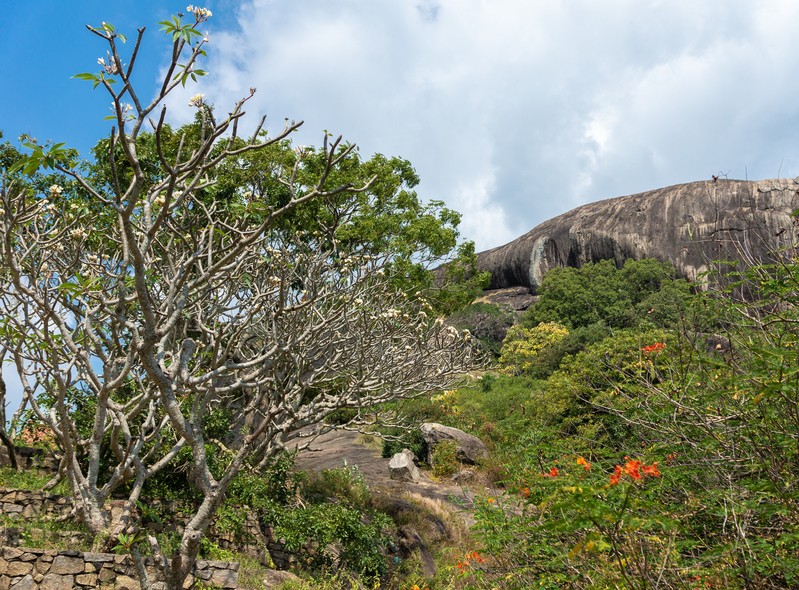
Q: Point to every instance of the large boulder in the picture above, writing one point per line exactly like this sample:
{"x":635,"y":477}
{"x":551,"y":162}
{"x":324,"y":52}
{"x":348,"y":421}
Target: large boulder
{"x":689,"y":225}
{"x":470,"y":448}
{"x":402,"y":466}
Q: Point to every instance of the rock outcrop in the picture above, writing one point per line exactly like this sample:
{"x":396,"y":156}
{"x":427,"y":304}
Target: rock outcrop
{"x":470,"y":448}
{"x":690,"y":225}
{"x":402,"y":466}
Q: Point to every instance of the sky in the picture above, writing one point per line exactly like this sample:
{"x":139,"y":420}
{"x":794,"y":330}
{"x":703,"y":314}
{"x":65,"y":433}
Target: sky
{"x":511,"y":111}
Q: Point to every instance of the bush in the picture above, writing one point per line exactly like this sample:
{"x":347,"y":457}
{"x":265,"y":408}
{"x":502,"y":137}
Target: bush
{"x":642,"y":291}
{"x":445,"y":459}
{"x":525,"y":349}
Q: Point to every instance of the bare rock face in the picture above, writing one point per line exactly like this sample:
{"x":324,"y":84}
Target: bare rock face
{"x":402,"y":466}
{"x":470,"y":448}
{"x":689,"y":225}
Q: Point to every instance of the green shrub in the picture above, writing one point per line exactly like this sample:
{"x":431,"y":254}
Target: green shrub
{"x":523,"y":347}
{"x":445,"y":459}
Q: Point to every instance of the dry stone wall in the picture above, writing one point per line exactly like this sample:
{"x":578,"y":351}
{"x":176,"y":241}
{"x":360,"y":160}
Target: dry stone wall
{"x":40,"y":569}
{"x":32,"y":504}
{"x":22,"y":568}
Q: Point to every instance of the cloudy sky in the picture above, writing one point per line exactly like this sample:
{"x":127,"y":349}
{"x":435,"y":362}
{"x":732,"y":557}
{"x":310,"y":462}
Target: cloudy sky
{"x":512,"y":111}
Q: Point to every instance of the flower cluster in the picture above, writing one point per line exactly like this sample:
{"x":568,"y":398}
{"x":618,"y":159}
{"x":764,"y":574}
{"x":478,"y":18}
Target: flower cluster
{"x":110,"y":67}
{"x":586,"y":465}
{"x":200,"y":13}
{"x":56,"y":190}
{"x":656,"y":347}
{"x":197,"y":101}
{"x":468,"y":560}
{"x":36,"y":435}
{"x":635,"y":469}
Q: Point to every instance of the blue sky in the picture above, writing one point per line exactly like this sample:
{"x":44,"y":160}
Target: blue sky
{"x":45,"y":43}
{"x":512,"y":111}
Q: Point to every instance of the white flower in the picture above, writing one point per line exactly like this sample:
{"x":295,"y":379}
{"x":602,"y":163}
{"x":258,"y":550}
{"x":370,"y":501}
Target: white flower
{"x":197,"y":100}
{"x":200,"y":13}
{"x":78,"y":233}
{"x":56,"y":190}
{"x":110,"y":67}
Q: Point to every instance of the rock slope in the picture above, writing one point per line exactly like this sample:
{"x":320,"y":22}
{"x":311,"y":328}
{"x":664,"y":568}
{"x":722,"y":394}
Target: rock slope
{"x":690,"y":225}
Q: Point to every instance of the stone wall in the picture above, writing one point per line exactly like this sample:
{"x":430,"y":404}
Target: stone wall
{"x":40,"y":569}
{"x":31,"y":457}
{"x":22,"y":568}
{"x":33,"y":504}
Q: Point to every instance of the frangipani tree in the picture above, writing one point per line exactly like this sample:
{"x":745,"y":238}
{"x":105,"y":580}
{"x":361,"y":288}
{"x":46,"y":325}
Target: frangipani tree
{"x":151,"y":305}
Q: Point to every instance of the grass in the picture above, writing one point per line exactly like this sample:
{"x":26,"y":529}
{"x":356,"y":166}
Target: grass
{"x":46,"y":533}
{"x":29,"y":479}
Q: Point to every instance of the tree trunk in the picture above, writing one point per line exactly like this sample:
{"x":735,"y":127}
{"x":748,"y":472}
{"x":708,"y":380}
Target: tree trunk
{"x":182,"y":563}
{"x":7,"y":442}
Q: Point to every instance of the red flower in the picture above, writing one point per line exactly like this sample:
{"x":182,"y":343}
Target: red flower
{"x":651,"y":470}
{"x":656,"y":347}
{"x":554,"y":472}
{"x":614,"y":479}
{"x":632,"y":468}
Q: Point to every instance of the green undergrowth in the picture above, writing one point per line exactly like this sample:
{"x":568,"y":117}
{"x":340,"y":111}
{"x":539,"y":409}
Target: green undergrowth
{"x":29,"y":479}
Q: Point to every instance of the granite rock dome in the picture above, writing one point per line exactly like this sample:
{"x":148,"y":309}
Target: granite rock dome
{"x":690,"y":225}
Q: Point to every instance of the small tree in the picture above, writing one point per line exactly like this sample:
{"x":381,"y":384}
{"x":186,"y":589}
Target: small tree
{"x":150,"y":305}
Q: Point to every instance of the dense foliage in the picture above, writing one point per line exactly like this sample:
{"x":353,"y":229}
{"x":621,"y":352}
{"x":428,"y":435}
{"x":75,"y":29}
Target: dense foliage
{"x":655,"y":456}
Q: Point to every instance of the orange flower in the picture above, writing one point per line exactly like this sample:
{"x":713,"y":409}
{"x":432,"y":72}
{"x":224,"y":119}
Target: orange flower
{"x":554,"y":472}
{"x":651,"y":470}
{"x":656,"y":347}
{"x":632,"y":468}
{"x":581,"y":461}
{"x":614,"y":479}
{"x":525,"y":492}
{"x":491,"y":500}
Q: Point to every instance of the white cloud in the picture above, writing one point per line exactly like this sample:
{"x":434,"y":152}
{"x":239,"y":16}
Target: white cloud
{"x":513,"y":111}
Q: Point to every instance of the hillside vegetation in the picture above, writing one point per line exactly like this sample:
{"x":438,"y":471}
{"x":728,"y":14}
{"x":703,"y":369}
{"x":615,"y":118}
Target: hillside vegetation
{"x":645,"y":435}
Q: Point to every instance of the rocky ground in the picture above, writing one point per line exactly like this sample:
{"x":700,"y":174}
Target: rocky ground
{"x":338,"y":448}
